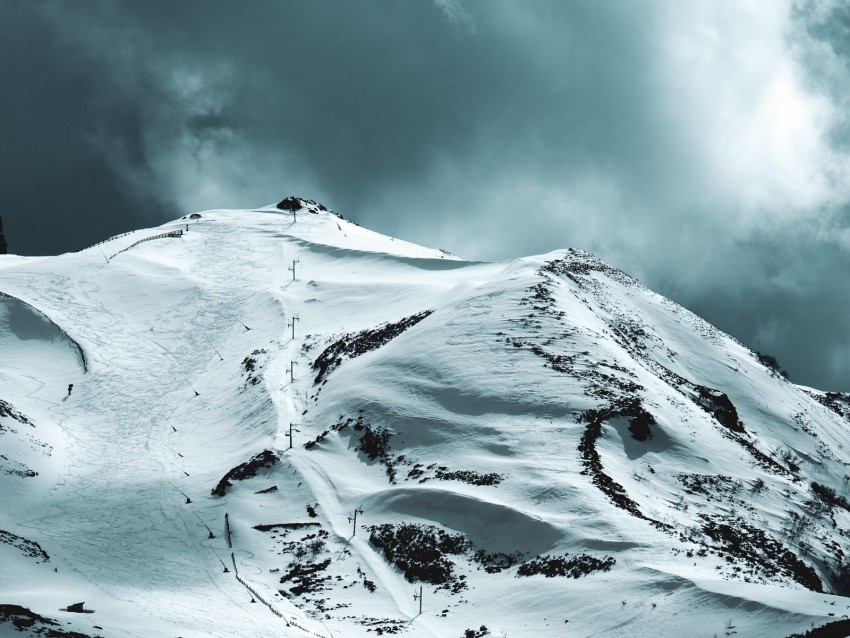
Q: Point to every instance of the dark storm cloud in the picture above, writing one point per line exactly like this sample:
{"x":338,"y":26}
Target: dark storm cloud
{"x":699,"y":146}
{"x":58,"y":190}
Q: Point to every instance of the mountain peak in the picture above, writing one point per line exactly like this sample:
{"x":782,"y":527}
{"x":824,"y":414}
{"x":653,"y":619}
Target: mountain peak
{"x":293,"y":203}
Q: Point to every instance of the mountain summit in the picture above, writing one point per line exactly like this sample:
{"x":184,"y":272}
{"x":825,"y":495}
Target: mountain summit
{"x":274,"y":422}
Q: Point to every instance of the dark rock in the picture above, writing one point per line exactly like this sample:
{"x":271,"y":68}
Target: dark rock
{"x":246,"y":470}
{"x":572,"y":566}
{"x":290,"y":203}
{"x":356,"y":344}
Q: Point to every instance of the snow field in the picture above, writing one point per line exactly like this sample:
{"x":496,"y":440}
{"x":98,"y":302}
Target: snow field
{"x":490,"y":388}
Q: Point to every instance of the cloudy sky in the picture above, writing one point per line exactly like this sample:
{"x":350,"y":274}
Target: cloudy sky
{"x":703,"y":146}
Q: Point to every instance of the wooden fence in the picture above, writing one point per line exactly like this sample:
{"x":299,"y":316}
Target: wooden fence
{"x":171,"y":233}
{"x":269,"y":604}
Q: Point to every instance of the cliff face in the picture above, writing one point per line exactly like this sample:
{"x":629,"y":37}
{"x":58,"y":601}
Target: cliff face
{"x":338,"y":418}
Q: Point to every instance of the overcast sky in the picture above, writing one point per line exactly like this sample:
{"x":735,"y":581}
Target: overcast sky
{"x":702,"y":146}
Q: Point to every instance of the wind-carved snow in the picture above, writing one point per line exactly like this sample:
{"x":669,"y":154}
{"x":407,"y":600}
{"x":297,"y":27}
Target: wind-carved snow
{"x":288,"y":425}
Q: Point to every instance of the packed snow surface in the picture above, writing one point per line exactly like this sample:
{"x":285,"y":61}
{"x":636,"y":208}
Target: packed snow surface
{"x":534,"y":447}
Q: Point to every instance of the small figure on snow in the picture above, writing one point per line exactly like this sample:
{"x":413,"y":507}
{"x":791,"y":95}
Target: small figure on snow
{"x":70,"y":387}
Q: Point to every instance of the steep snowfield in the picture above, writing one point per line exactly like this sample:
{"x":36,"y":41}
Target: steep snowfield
{"x":544,"y":446}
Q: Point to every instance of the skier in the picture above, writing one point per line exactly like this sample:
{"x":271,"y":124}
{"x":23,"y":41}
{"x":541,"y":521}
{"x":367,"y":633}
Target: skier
{"x":70,"y":387}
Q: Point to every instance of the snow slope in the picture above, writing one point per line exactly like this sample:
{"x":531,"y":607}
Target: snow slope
{"x":544,"y":446}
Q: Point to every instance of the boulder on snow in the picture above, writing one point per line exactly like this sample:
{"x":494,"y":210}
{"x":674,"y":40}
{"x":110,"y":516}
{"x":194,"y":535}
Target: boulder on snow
{"x":77,"y":608}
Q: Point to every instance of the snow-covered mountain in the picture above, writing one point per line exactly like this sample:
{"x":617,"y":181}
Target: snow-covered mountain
{"x":283,"y":424}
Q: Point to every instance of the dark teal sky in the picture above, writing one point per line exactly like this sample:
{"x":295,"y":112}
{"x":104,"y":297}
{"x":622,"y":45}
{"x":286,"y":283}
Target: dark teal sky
{"x":701,"y":146}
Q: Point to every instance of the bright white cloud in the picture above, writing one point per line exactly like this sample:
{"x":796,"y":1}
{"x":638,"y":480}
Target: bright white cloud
{"x":735,"y":84}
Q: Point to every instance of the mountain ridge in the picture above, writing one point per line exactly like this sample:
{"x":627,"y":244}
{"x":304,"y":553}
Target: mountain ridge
{"x":514,"y":437}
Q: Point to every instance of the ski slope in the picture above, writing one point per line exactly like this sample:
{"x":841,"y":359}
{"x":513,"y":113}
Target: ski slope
{"x":487,"y":423}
